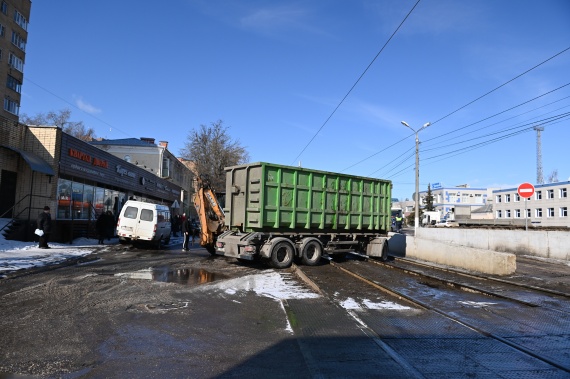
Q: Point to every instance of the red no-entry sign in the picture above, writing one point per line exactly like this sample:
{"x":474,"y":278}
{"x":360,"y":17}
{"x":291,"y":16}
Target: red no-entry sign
{"x":526,"y":190}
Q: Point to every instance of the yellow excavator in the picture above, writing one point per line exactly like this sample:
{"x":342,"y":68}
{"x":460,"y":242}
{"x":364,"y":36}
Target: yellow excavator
{"x":210,"y":214}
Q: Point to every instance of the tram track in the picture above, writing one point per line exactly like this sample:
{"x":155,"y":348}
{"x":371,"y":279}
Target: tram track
{"x":369,"y":273}
{"x":480,"y":284}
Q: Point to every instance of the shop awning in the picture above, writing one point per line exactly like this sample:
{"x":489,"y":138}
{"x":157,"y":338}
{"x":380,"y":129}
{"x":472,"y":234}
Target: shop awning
{"x":36,"y":162}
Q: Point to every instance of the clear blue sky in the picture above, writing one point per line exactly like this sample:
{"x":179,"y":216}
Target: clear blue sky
{"x":275,"y":71}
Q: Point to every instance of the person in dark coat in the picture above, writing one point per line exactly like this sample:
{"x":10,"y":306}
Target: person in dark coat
{"x":44,"y":224}
{"x":101,"y":226}
{"x":110,"y":225}
{"x":186,"y":233}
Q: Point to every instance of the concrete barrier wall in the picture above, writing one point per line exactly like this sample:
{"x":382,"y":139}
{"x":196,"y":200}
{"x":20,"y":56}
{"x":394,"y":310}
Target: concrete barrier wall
{"x":446,"y":253}
{"x":544,"y":244}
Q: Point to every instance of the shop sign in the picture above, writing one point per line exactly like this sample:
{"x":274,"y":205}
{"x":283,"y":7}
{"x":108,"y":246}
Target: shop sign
{"x":88,"y":158}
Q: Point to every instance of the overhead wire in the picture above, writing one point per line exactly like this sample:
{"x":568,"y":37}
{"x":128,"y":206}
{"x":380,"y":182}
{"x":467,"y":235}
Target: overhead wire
{"x":357,"y":81}
{"x":502,"y":85}
{"x":475,"y":123}
{"x":473,"y":101}
{"x":76,"y":107}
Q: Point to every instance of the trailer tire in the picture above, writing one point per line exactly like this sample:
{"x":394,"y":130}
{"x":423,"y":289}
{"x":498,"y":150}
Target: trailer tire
{"x":282,"y":254}
{"x":311,"y":252}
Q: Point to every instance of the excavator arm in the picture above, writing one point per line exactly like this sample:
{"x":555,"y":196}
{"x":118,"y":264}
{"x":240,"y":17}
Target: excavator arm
{"x":210,"y":214}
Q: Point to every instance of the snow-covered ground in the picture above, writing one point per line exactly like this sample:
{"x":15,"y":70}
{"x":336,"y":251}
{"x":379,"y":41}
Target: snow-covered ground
{"x":18,"y":255}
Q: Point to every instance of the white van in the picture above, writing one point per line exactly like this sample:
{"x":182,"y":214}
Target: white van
{"x":139,"y":221}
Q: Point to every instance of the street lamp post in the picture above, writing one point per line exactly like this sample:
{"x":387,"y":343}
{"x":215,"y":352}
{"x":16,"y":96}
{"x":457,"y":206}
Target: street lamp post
{"x":417,"y":200}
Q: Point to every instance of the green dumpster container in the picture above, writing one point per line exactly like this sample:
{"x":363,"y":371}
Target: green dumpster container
{"x":266,"y":197}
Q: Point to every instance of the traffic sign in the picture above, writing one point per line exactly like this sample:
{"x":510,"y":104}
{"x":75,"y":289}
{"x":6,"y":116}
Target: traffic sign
{"x":526,"y":190}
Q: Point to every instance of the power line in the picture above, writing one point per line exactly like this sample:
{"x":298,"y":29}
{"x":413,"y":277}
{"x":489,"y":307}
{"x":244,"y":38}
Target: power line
{"x":477,"y":122}
{"x":76,"y":107}
{"x":354,"y":85}
{"x":502,"y":85}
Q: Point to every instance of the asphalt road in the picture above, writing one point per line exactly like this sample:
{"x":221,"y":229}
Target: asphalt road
{"x":134,"y":312}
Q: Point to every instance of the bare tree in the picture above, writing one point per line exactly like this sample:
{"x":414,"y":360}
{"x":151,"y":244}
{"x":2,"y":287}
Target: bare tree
{"x":212,"y":149}
{"x":61,"y":120}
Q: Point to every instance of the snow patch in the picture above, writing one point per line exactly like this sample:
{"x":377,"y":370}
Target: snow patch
{"x":350,"y":303}
{"x":275,"y":285}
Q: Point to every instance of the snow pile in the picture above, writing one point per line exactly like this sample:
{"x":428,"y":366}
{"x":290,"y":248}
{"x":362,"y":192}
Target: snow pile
{"x":18,"y":255}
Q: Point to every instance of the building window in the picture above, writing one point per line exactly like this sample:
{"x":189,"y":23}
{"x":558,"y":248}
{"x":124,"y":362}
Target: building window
{"x":16,"y":63}
{"x":550,"y":194}
{"x":2,"y":30}
{"x":538,"y":212}
{"x":550,"y":212}
{"x":498,"y":198}
{"x":538,"y":195}
{"x":517,"y":197}
{"x":18,"y":41}
{"x":14,"y":84}
{"x":563,"y":211}
{"x":508,"y":198}
{"x":165,"y":167}
{"x":508,"y":213}
{"x":499,"y":213}
{"x":517,"y":213}
{"x":528,"y":213}
{"x":20,"y":20}
{"x":11,"y":106}
{"x":4,"y":7}
{"x":563,"y":193}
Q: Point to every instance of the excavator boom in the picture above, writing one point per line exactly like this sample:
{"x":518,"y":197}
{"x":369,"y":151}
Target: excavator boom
{"x":210,"y":214}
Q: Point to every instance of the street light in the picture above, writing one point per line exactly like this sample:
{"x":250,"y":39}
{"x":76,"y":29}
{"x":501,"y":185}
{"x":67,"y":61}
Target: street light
{"x":417,"y":202}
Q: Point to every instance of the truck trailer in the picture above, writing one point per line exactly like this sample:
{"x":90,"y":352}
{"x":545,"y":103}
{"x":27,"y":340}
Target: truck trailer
{"x":281,"y":213}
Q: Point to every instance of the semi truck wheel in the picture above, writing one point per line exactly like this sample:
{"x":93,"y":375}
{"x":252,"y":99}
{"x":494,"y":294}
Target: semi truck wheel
{"x":311,"y":252}
{"x":282,"y":254}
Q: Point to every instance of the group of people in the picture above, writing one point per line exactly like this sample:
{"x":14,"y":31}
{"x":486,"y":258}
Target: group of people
{"x":105,"y":226}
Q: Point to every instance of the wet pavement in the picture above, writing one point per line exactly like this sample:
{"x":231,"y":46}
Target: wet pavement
{"x":135,"y":313}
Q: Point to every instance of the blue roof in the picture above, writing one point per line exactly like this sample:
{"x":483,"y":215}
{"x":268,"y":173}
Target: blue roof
{"x":123,"y":142}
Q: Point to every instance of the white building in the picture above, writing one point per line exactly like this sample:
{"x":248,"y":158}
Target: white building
{"x":459,"y":199}
{"x":547,"y":207}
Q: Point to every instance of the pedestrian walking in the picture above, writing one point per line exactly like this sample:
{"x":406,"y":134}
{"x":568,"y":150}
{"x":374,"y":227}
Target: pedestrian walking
{"x":186,"y":232}
{"x":44,"y":224}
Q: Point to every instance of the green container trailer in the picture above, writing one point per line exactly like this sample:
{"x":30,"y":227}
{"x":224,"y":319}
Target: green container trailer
{"x":305,"y":213}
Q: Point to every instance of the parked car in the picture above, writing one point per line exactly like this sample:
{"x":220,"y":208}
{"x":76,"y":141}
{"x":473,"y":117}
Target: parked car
{"x":446,"y":224}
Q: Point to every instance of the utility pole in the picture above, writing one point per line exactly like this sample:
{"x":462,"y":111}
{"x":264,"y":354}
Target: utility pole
{"x":417,"y":202}
{"x":539,"y":175}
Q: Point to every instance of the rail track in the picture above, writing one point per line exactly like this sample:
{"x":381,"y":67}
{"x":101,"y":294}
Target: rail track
{"x":509,"y":313}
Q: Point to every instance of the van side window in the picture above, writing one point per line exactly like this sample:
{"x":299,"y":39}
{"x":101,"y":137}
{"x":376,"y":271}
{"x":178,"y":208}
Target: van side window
{"x":131,"y":212}
{"x":147,"y":215}
{"x":163,"y":216}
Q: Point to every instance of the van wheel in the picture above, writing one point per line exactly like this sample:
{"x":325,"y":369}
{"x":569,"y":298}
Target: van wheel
{"x":311,"y":252}
{"x":282,"y":255}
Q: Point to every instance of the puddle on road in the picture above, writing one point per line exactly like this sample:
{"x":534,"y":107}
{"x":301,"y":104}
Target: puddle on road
{"x":184,"y":276}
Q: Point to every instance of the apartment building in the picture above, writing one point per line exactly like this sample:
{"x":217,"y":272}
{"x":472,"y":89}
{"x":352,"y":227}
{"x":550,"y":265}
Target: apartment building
{"x":14,"y":18}
{"x":547,"y":207}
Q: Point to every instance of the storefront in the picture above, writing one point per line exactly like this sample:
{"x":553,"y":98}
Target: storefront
{"x":91,"y":181}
